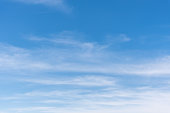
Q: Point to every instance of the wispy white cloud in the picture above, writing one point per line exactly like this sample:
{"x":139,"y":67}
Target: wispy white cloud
{"x":101,"y":101}
{"x":81,"y":81}
{"x":70,"y":39}
{"x":70,"y":55}
{"x":15,"y":58}
{"x":59,"y":4}
{"x":118,"y":38}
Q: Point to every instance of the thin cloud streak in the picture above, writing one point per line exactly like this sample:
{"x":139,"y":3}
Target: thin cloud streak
{"x":131,"y":101}
{"x":59,"y":4}
{"x":80,"y":81}
{"x":82,"y":57}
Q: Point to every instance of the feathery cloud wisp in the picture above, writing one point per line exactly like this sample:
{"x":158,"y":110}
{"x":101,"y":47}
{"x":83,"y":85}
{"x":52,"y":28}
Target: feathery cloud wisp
{"x":68,"y":55}
{"x":59,"y":4}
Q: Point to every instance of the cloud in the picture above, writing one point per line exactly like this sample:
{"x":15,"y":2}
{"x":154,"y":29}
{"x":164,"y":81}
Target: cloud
{"x":16,"y":58}
{"x":68,"y":38}
{"x":63,"y":53}
{"x":148,"y":100}
{"x":124,"y":38}
{"x":118,"y":39}
{"x":59,"y":4}
{"x":80,"y":81}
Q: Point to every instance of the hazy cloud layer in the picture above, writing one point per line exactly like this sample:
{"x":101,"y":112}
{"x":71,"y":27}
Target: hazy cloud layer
{"x":96,"y":79}
{"x":68,"y":55}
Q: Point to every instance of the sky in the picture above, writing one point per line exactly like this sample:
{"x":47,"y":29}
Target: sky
{"x":84,"y":56}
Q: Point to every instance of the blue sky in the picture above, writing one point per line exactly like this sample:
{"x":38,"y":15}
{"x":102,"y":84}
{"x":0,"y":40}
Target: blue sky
{"x":88,"y":56}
